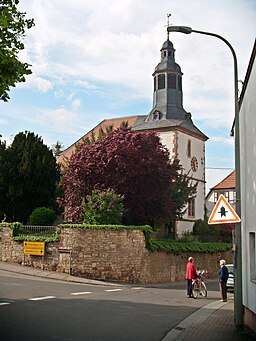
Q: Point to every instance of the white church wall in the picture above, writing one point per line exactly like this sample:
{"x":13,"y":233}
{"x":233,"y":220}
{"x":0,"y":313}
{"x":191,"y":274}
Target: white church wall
{"x":178,"y":144}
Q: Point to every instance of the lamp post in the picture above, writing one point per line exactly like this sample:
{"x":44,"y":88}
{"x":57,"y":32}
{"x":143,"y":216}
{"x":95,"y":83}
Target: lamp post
{"x":238,"y":247}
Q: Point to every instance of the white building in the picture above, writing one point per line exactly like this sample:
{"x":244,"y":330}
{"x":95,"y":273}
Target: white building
{"x":226,"y":187}
{"x":247,"y":115}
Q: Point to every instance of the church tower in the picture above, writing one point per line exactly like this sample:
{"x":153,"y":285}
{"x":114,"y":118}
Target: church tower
{"x":177,"y":131}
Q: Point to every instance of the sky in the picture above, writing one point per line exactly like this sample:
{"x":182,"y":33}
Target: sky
{"x":93,"y":60}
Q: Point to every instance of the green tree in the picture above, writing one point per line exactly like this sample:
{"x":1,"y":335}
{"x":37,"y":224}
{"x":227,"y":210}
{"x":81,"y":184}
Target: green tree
{"x":28,"y":177}
{"x":12,"y":29}
{"x":103,"y":207}
{"x":57,"y":148}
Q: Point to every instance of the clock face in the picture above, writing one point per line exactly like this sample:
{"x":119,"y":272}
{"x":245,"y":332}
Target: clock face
{"x":194,"y":164}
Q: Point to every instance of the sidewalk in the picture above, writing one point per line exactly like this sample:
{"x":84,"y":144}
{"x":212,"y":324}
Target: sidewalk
{"x":28,"y":270}
{"x":212,"y":322}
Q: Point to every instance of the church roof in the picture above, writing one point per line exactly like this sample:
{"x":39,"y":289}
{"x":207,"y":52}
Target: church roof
{"x":169,"y":124}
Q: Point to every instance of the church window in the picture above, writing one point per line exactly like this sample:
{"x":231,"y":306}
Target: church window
{"x":161,"y":81}
{"x":170,"y":53}
{"x":154,"y":83}
{"x":171,"y":81}
{"x":189,"y":148}
{"x":179,"y":83}
{"x":191,"y":207}
{"x":156,"y":115}
{"x":164,"y":53}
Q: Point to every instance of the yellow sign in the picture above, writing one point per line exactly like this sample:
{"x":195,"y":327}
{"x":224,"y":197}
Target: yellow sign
{"x":223,"y":213}
{"x":34,"y":248}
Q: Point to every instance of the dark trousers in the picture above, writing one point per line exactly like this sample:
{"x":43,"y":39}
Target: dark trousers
{"x":223,"y":290}
{"x":189,"y":287}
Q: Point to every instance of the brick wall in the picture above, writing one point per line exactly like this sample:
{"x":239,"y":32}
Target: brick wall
{"x":110,"y":255}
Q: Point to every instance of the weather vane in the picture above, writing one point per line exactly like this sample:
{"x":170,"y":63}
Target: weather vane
{"x":168,"y":16}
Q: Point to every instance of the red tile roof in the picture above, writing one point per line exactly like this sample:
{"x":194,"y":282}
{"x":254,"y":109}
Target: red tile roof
{"x":227,"y":183}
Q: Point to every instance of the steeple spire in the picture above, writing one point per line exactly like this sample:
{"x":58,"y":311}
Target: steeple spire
{"x":168,"y":16}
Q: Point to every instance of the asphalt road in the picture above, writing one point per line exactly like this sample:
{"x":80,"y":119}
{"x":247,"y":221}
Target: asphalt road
{"x":33,"y":308}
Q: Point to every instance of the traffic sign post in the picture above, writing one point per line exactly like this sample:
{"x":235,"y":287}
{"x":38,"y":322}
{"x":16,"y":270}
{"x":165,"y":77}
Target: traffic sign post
{"x":223,"y":213}
{"x":34,"y":248}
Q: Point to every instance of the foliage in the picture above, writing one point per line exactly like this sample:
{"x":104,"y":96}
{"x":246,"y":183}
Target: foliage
{"x":42,"y":216}
{"x":175,"y":247}
{"x":133,"y":164}
{"x":12,"y":29}
{"x":16,"y":227}
{"x":28,"y":176}
{"x":183,"y":190}
{"x":57,"y":148}
{"x":205,"y":232}
{"x":103,"y":207}
{"x":102,"y":133}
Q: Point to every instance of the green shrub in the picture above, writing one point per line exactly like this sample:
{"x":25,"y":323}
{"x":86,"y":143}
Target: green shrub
{"x":205,"y":232}
{"x":42,"y":216}
{"x":103,"y":207}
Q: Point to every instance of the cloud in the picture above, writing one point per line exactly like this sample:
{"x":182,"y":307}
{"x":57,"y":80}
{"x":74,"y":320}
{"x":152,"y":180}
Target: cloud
{"x":223,"y":140}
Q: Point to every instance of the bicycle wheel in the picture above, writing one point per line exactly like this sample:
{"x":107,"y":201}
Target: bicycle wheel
{"x":195,"y":289}
{"x":203,"y":289}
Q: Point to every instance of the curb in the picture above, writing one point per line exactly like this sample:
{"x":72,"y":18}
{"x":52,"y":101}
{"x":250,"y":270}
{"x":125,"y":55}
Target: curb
{"x":30,"y":271}
{"x":194,"y":320}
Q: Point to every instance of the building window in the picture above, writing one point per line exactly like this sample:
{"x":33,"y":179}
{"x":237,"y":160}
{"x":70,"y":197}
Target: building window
{"x":161,"y":81}
{"x":171,"y":81}
{"x":170,"y":53}
{"x":189,"y":148}
{"x":252,"y":259}
{"x":226,"y":195}
{"x":154,"y":83}
{"x":216,"y":197}
{"x":179,"y":83}
{"x":191,"y":207}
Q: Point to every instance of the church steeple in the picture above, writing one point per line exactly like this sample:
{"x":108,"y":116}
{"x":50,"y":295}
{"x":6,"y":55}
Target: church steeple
{"x":167,"y":111}
{"x":167,"y":95}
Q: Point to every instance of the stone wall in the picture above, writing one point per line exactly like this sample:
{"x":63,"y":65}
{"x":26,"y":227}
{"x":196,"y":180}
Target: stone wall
{"x":110,"y":255}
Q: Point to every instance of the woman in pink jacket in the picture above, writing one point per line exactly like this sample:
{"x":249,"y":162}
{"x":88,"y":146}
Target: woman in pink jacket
{"x":190,"y":275}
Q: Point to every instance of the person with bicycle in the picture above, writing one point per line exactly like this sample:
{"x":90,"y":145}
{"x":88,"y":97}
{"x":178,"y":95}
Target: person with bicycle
{"x":191,"y":275}
{"x":222,"y":278}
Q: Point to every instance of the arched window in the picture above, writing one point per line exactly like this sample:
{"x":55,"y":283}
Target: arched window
{"x":161,"y":81}
{"x":179,"y":83}
{"x":171,"y":81}
{"x":189,"y":148}
{"x":191,"y":207}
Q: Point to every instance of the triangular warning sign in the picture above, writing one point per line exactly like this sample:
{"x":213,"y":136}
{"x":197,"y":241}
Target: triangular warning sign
{"x":223,"y":213}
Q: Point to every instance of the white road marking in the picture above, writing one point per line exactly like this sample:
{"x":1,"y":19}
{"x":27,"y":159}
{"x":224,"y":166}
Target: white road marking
{"x":111,"y":290}
{"x":4,"y":303}
{"x":137,"y":288}
{"x":41,"y":298}
{"x":81,"y":293}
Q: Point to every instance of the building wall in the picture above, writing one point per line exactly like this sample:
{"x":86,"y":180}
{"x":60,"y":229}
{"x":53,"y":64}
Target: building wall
{"x":109,"y":255}
{"x":247,"y":116}
{"x":211,"y":198}
{"x":177,"y":143}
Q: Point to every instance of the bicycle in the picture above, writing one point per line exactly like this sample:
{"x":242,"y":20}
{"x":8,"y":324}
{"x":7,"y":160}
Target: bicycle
{"x":198,"y":285}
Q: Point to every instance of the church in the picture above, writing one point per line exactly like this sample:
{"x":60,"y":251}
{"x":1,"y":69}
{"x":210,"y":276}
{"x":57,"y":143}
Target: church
{"x":175,"y":128}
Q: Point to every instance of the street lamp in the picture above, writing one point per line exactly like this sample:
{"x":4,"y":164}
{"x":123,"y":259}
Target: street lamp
{"x":238,"y":247}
